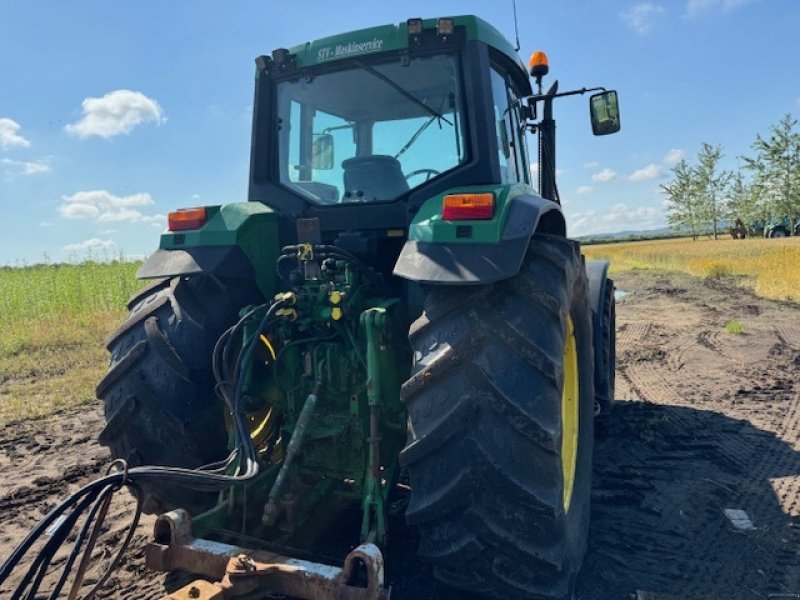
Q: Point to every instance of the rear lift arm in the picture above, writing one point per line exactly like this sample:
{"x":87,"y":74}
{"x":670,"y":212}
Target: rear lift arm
{"x":238,"y":572}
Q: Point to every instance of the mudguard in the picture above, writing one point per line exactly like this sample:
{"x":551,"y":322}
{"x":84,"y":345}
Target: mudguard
{"x":603,"y":304}
{"x":476,"y":252}
{"x":237,"y":241}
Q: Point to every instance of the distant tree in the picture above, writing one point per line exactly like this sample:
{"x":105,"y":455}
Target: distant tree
{"x":743,"y":201}
{"x":776,"y":169}
{"x":711,"y":182}
{"x":682,"y":195}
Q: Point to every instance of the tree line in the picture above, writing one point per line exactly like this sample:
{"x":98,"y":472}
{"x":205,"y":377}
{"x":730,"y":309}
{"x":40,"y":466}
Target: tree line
{"x":767,"y":186}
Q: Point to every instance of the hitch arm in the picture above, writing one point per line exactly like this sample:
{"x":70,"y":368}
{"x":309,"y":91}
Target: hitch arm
{"x":239,"y":571}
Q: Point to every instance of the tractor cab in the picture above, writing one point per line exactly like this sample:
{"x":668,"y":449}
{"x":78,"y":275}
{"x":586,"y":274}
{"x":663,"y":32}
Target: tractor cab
{"x":370,"y":129}
{"x":381,"y":120}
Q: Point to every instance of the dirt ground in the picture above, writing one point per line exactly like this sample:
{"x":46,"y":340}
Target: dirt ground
{"x":706,"y":420}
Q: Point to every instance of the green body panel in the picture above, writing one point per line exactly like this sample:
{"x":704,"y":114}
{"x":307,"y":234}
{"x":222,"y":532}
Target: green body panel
{"x":428,"y":225}
{"x":388,"y":38}
{"x":252,"y":226}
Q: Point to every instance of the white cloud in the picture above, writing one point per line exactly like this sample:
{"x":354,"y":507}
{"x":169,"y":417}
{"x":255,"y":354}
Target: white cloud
{"x":641,"y":17}
{"x":103,"y":206}
{"x":619,"y":218}
{"x":21,"y":167}
{"x":674,"y":156}
{"x":585,"y":189}
{"x":115,"y":113}
{"x":604,"y":176}
{"x":195,"y":196}
{"x":91,"y":245}
{"x":695,"y":8}
{"x":591,"y":165}
{"x":651,"y":171}
{"x":9,"y":137}
{"x":156,"y":220}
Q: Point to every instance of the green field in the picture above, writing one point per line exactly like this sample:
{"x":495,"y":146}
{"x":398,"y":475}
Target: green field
{"x":54,"y":320}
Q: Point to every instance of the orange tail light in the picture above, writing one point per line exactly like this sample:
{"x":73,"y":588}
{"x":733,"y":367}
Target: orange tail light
{"x":186,"y":218}
{"x":468,"y":207}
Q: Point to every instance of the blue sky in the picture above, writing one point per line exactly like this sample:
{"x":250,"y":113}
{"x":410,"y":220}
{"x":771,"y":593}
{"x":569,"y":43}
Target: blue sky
{"x":112,"y":113}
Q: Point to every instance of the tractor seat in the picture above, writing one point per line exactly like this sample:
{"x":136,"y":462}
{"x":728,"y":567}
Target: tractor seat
{"x":373,"y":179}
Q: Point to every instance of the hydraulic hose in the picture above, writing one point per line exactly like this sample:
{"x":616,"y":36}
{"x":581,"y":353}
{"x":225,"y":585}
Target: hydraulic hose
{"x":96,"y":495}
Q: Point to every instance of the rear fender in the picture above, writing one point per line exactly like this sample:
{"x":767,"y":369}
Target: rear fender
{"x":603,"y":342}
{"x":476,"y":252}
{"x":237,"y":241}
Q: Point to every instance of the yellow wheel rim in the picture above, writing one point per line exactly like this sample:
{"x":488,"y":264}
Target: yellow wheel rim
{"x":569,"y":414}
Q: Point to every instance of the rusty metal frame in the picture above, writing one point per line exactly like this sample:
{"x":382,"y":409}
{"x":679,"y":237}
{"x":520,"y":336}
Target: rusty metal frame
{"x":237,"y":571}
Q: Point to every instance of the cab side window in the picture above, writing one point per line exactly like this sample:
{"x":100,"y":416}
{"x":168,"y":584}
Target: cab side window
{"x":510,"y":137}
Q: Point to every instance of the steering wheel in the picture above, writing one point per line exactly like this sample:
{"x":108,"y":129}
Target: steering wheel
{"x":429,"y":172}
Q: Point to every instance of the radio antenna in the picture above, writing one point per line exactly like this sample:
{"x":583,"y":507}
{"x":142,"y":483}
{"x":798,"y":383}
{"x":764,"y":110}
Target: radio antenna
{"x":516,"y":27}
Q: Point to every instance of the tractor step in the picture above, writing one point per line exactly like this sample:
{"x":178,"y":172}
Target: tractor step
{"x":238,"y":571}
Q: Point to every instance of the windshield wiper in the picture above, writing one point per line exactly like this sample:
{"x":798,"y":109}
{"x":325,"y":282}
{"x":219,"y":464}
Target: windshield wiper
{"x":414,"y":137}
{"x":401,"y":90}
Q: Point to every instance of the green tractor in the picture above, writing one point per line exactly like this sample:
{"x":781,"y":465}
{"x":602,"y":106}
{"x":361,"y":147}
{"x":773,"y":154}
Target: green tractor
{"x":780,"y":227}
{"x":775,"y":227}
{"x":395,"y":318}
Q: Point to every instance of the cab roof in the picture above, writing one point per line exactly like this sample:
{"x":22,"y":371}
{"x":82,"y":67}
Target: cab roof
{"x":386,"y":38}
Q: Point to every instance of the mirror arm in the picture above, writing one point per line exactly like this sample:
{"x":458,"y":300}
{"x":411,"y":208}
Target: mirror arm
{"x":581,"y":91}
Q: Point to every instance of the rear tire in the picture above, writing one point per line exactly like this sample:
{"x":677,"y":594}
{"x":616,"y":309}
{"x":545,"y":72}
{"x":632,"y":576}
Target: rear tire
{"x":778,"y":232}
{"x":158,"y":394}
{"x":605,"y":350}
{"x":485,"y":453}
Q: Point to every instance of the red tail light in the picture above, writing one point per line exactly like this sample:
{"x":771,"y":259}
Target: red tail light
{"x":186,"y":218}
{"x":468,"y":207}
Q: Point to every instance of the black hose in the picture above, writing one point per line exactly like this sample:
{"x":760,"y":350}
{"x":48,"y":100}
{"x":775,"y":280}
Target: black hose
{"x":209,"y":478}
{"x":280,"y":266}
{"x":77,"y":547}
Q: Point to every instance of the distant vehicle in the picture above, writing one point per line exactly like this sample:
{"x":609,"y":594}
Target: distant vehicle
{"x":778,"y":227}
{"x":738,"y":230}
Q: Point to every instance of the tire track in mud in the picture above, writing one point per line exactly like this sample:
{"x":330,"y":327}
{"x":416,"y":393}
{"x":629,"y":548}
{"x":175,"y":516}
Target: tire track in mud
{"x":667,"y":467}
{"x":789,"y":333}
{"x":672,"y":511}
{"x":629,"y":334}
{"x":676,"y":358}
{"x":652,"y":386}
{"x":709,"y":340}
{"x":625,"y":389}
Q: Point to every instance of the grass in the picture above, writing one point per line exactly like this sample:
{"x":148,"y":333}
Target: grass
{"x":734,"y":327}
{"x":53,"y":324}
{"x":770,"y":267}
{"x":54,"y":319}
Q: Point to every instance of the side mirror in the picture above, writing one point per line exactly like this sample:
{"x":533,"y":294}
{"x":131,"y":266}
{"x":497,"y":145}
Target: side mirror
{"x":322,"y":151}
{"x":604,"y":110}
